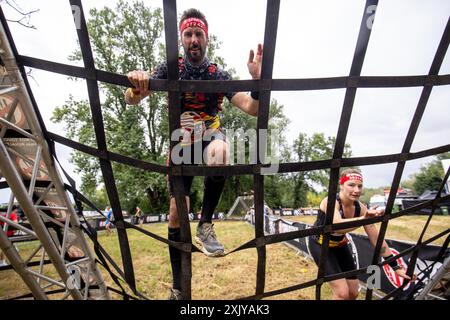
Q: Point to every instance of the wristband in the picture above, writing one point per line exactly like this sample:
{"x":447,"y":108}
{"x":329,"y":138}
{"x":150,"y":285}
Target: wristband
{"x":133,"y":92}
{"x":254,"y":95}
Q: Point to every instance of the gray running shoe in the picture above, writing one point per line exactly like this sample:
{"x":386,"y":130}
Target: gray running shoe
{"x":207,"y":238}
{"x":175,"y":294}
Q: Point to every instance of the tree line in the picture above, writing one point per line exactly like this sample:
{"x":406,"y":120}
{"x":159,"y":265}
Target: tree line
{"x":129,"y":37}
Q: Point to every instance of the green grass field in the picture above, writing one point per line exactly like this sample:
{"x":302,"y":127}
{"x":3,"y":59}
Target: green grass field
{"x":230,"y":277}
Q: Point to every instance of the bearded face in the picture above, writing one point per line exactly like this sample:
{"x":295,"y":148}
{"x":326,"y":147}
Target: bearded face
{"x":194,"y":44}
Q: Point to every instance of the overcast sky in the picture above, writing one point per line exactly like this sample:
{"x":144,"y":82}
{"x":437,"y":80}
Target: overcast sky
{"x":315,"y":39}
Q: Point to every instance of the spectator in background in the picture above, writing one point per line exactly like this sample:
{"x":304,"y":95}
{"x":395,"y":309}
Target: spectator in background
{"x":108,"y":220}
{"x":138,"y":215}
{"x":14,"y":217}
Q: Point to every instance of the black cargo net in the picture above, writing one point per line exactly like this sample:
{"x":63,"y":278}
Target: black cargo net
{"x":264,"y":86}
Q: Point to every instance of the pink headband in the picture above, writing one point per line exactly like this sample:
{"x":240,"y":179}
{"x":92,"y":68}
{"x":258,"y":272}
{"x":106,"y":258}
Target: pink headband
{"x":193,"y":22}
{"x":350,"y":176}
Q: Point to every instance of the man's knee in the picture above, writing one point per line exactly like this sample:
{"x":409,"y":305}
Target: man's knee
{"x":218,"y":153}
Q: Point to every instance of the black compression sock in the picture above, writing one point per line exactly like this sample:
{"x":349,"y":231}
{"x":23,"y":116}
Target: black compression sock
{"x":175,"y":258}
{"x":213,"y":188}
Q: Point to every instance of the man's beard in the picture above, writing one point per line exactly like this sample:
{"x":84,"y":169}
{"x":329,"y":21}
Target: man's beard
{"x":197,"y":57}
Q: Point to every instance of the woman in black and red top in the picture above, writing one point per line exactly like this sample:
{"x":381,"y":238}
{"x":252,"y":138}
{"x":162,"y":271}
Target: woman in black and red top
{"x":340,"y":259}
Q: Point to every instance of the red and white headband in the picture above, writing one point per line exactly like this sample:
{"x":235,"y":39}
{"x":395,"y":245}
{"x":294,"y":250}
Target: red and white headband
{"x":193,"y":22}
{"x":351,"y":176}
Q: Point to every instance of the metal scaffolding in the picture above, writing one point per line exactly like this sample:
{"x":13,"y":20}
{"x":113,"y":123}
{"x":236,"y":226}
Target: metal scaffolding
{"x":39,"y":211}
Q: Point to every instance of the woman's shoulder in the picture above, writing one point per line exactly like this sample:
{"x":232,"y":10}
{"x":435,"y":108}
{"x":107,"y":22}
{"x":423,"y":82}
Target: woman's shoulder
{"x":324,"y":204}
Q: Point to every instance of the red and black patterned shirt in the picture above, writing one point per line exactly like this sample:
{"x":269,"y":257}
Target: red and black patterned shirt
{"x":198,"y":108}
